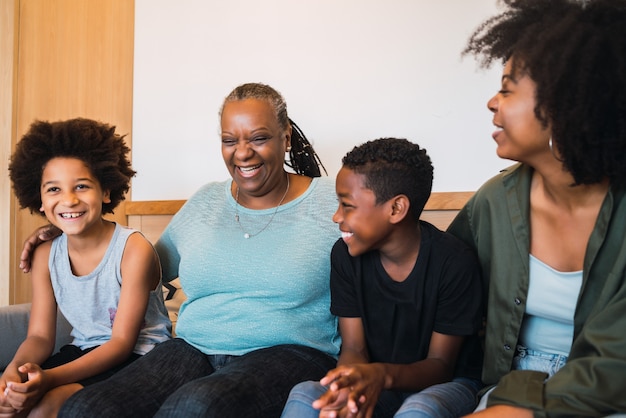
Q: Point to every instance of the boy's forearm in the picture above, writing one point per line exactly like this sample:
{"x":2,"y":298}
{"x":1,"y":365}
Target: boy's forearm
{"x":416,"y":376}
{"x":347,"y":357}
{"x":32,"y":350}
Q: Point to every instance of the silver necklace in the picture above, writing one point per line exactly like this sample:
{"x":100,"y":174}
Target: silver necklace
{"x":247,"y":235}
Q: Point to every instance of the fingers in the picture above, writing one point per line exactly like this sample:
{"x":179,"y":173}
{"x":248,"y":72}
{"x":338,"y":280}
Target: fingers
{"x":25,"y":256}
{"x":45,"y":233}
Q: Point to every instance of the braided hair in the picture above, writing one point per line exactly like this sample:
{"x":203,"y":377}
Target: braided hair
{"x":302,"y":157}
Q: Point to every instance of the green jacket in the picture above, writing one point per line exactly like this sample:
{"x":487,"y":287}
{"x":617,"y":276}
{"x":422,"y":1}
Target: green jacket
{"x":593,"y":382}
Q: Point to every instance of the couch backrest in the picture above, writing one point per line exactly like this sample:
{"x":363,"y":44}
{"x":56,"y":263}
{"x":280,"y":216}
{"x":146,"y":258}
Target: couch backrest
{"x":151,"y":217}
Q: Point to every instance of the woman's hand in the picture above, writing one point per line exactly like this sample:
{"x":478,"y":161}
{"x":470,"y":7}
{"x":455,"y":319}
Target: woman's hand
{"x":42,"y":234}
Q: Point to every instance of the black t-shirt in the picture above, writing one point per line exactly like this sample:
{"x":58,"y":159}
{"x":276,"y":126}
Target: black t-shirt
{"x":443,"y":293}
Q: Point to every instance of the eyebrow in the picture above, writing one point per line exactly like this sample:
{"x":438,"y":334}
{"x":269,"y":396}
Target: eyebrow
{"x":79,"y":180}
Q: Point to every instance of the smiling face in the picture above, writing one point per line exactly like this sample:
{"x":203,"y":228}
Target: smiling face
{"x":364,"y":225}
{"x":254,"y":146}
{"x":71,"y":197}
{"x":520,"y":135}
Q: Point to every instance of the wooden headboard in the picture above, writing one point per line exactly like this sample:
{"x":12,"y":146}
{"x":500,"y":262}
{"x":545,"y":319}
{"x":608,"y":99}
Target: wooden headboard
{"x":152,"y":216}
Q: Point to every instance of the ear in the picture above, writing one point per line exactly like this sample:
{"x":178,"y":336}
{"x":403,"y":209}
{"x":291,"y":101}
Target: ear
{"x":106,"y":196}
{"x":400,"y":206}
{"x":288,"y":137}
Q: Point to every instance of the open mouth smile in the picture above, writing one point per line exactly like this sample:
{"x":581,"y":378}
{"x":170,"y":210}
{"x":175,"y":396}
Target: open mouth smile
{"x":71,"y":215}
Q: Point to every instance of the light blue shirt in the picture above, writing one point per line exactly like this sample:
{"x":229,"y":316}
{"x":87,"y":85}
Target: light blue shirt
{"x":90,"y":302}
{"x":247,"y":294}
{"x":549,"y":320}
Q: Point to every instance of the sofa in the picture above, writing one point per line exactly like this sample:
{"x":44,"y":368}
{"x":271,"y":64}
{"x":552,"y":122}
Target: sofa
{"x":151,"y":217}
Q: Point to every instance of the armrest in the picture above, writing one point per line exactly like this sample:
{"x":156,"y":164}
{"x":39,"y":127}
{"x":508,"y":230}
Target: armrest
{"x":14,"y":326}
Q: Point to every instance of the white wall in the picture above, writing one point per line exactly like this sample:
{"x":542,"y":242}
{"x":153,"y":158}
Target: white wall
{"x":350,"y":70}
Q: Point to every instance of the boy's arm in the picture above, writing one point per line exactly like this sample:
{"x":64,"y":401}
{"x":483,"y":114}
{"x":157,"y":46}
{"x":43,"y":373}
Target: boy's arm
{"x":40,"y":339}
{"x":140,"y":275}
{"x":367,"y":381}
{"x":353,"y":351}
{"x":353,"y":345}
{"x":437,"y":367}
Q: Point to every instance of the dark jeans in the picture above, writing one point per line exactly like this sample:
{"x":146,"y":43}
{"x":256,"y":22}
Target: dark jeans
{"x":177,"y":380}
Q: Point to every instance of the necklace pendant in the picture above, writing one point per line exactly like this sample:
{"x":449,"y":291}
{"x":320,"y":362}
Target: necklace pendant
{"x":246,"y":235}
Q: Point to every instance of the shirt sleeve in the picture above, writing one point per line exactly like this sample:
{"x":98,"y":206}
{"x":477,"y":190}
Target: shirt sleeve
{"x":343,"y":276}
{"x":168,"y":254}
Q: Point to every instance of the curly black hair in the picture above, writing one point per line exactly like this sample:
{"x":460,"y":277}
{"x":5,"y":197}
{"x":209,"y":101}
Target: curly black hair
{"x":302,"y":157}
{"x":575,"y":52}
{"x":393,"y":166}
{"x":94,"y":143}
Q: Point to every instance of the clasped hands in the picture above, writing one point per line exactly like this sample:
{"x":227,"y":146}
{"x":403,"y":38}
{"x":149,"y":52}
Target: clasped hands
{"x":16,"y":396}
{"x":353,"y":391}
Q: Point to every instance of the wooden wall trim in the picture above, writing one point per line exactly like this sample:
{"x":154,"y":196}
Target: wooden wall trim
{"x":153,"y":207}
{"x":437,"y":201}
{"x":448,"y":200}
{"x":9,"y":13}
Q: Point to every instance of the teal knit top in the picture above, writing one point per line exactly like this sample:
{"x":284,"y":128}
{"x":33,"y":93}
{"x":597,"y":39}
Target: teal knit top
{"x":246,"y":294}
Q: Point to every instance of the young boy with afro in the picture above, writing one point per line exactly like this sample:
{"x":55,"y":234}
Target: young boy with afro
{"x":103,"y":277}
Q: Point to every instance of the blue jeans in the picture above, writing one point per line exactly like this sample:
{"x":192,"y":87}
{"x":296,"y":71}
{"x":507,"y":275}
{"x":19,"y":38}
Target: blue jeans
{"x":452,"y":399}
{"x":527,"y":359}
{"x":177,"y":380}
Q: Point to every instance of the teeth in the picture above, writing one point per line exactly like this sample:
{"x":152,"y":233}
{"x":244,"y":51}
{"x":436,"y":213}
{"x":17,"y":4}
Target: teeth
{"x":249,"y":169}
{"x":346,"y":235}
{"x":71,"y":215}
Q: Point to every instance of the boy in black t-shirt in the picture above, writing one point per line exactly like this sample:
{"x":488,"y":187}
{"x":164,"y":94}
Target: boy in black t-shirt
{"x":408,"y":297}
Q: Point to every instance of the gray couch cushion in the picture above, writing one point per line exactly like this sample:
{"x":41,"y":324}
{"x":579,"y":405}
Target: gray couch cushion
{"x":14,"y":326}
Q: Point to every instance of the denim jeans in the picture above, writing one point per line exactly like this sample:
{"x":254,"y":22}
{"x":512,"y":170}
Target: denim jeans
{"x":177,"y":380}
{"x":527,"y":359}
{"x":452,"y":399}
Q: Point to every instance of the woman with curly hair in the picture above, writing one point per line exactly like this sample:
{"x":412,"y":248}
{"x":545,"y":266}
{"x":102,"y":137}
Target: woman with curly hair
{"x":104,"y":278}
{"x":549,"y":230}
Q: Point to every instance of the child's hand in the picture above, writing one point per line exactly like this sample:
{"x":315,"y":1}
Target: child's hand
{"x":6,"y":409}
{"x":9,"y":375}
{"x":333,"y":404}
{"x":26,"y":395}
{"x":363,"y":384}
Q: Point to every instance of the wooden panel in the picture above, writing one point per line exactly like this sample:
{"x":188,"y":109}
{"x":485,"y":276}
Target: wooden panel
{"x":154,"y":207}
{"x":152,"y":216}
{"x":75,"y":59}
{"x":150,"y":225}
{"x":438,"y":201}
{"x":447,"y":200}
{"x":8,"y":76}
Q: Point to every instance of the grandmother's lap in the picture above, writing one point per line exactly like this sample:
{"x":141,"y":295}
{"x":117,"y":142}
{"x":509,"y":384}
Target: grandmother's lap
{"x":175,"y":379}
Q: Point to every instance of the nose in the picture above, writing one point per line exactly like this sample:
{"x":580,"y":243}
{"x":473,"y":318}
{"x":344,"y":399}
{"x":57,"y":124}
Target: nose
{"x":492,"y":104}
{"x":243,"y":150}
{"x":69,"y":198}
{"x":337,"y":218}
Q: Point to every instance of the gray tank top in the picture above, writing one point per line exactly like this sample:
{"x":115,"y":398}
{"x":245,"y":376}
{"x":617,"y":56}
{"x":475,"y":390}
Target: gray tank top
{"x":89,"y":302}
